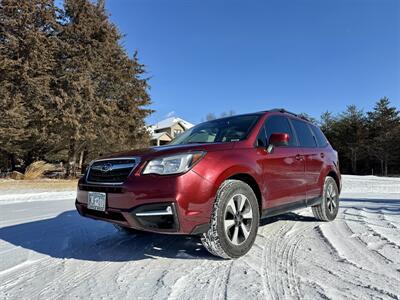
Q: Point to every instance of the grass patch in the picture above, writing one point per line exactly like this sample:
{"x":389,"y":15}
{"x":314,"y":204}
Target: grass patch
{"x":39,"y":184}
{"x":36,"y":170}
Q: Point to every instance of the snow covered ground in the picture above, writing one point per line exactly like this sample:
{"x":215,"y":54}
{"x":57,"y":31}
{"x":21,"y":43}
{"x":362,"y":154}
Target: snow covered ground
{"x":47,"y":251}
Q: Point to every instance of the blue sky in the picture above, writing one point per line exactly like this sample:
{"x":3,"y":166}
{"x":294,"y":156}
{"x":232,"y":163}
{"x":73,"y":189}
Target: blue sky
{"x":307,"y":56}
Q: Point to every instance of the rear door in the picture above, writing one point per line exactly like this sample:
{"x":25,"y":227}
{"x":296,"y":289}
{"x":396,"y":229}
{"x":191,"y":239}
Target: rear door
{"x":320,"y":156}
{"x":314,"y":159}
{"x":283,"y":168}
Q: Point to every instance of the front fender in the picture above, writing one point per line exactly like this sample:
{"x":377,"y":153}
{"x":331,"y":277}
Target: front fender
{"x":219,"y":166}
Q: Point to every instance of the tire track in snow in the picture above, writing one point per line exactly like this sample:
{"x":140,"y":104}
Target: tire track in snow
{"x":354,"y":249}
{"x":386,"y":226}
{"x":209,"y":279}
{"x":71,"y":271}
{"x":269,"y":282}
{"x":157,"y":278}
{"x":175,"y":280}
{"x":368,"y":227}
{"x":279,"y":260}
{"x":78,"y":272}
{"x":350,"y":269}
{"x":20,"y":273}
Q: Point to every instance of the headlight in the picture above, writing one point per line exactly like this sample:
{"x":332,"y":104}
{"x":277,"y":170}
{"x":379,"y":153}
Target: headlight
{"x":173,"y":164}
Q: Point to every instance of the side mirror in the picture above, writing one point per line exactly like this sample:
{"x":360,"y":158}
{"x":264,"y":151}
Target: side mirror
{"x":277,"y":140}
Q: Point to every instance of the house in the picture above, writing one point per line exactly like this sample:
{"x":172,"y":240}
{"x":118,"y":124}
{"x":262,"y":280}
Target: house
{"x":166,"y":130}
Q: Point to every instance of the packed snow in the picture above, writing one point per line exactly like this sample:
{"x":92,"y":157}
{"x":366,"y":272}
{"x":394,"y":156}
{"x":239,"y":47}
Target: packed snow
{"x":47,"y":251}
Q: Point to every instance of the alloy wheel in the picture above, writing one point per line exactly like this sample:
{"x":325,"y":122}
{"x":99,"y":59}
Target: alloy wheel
{"x":331,"y":198}
{"x":238,"y":219}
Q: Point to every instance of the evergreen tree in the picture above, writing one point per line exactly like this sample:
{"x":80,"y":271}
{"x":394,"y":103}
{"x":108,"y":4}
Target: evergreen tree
{"x":101,"y":89}
{"x":68,"y":89}
{"x":27,"y":45}
{"x":352,"y":130}
{"x":308,"y":117}
{"x":328,"y":124}
{"x":384,"y":127}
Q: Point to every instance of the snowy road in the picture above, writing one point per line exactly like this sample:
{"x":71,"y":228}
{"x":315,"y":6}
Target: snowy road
{"x":47,"y":251}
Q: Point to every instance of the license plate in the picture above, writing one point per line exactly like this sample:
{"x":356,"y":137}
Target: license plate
{"x":97,"y":201}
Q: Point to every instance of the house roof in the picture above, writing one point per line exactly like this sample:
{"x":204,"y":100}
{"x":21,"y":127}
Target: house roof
{"x":156,"y":136}
{"x":170,"y":122}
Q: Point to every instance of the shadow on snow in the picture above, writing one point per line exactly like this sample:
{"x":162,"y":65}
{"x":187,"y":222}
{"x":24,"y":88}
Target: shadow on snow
{"x":68,"y":235}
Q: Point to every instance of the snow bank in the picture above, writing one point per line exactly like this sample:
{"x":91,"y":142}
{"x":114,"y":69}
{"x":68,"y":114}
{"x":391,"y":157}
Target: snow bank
{"x":34,"y":197}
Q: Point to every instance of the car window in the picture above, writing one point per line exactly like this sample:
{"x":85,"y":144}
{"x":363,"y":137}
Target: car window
{"x":279,"y":124}
{"x":321,"y":139}
{"x":231,"y":129}
{"x":304,"y":134}
{"x":261,"y":138}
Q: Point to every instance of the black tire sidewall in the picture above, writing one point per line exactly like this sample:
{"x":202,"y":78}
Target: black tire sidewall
{"x":330,"y":216}
{"x":230,"y":249}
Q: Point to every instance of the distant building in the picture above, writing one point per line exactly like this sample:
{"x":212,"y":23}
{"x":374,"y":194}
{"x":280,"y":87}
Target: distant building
{"x":166,"y":130}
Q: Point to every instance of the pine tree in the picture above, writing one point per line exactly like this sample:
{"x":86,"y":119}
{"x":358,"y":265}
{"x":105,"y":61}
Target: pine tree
{"x":68,"y":89}
{"x":348,"y":134}
{"x":308,"y":117}
{"x":102,"y":90}
{"x":328,"y":124}
{"x":352,"y":128}
{"x":384,"y":127}
{"x":27,"y":45}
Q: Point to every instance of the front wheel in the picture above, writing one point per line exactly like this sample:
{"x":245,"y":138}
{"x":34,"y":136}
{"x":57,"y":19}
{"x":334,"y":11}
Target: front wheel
{"x":328,"y":209}
{"x":234,"y":221}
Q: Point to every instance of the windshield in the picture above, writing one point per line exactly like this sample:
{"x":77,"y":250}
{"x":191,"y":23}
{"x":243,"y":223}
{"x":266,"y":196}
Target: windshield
{"x":232,"y":129}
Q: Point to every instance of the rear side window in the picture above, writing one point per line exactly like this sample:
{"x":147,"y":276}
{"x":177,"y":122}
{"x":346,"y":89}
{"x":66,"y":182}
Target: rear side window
{"x":279,"y":124}
{"x":306,"y":138}
{"x":321,"y":139}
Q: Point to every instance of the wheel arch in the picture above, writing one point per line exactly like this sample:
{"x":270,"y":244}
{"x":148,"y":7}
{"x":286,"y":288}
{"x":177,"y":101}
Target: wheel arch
{"x":335,"y":176}
{"x":252,"y":182}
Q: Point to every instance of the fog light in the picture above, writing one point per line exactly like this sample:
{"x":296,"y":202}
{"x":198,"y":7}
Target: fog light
{"x":151,"y":213}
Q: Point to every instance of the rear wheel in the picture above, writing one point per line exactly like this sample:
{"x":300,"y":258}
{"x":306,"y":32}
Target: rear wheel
{"x":234,"y":222}
{"x":329,"y":207}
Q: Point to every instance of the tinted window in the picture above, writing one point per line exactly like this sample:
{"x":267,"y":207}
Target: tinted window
{"x":230,"y":129}
{"x":278,"y":124}
{"x":261,"y":138}
{"x":306,"y":139}
{"x":321,"y":139}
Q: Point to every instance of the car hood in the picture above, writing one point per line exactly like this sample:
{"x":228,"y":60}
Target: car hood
{"x":148,"y":153}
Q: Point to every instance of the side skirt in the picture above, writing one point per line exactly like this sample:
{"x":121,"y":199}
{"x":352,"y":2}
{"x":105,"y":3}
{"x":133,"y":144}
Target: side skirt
{"x":285,"y":208}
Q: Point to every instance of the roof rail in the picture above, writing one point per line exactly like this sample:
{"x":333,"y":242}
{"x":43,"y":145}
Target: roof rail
{"x":282,"y":110}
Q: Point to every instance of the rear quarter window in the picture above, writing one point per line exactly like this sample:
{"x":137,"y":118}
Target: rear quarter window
{"x":322,"y":141}
{"x":304,"y":134}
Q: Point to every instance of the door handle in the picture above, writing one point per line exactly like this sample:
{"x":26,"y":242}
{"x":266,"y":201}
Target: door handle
{"x":299,"y":157}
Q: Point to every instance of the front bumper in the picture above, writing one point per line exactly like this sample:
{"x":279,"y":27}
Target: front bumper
{"x":168,"y":204}
{"x":158,"y":217}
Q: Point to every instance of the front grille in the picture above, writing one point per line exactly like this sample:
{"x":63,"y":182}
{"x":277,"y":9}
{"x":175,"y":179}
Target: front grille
{"x":103,"y":188}
{"x":112,"y":171}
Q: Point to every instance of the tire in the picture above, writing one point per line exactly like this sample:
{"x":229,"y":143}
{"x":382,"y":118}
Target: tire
{"x":328,"y":209}
{"x":127,"y":230}
{"x":232,"y":235}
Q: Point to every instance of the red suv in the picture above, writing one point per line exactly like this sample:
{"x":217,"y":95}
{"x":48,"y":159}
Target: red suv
{"x":217,"y":180}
